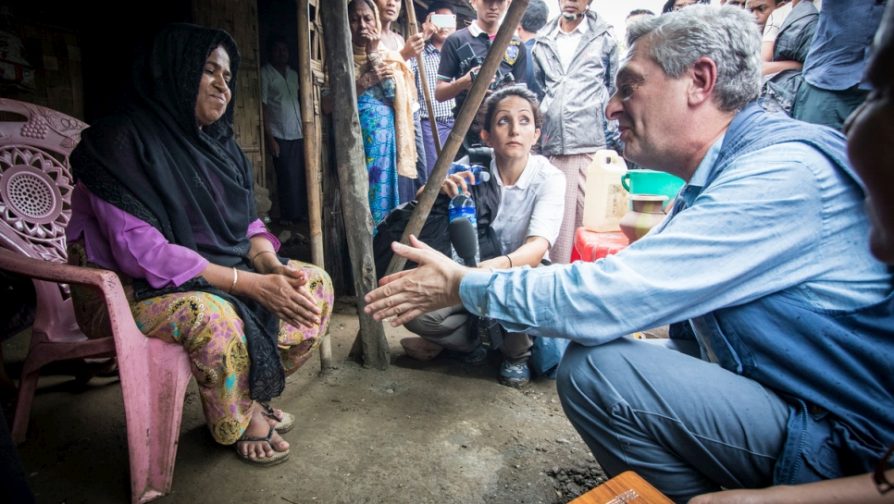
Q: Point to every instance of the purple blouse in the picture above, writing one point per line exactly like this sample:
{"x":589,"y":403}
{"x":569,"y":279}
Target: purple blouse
{"x":116,"y":240}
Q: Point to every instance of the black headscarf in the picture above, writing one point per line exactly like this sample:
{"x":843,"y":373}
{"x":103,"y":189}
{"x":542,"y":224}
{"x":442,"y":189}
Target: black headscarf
{"x":193,"y":185}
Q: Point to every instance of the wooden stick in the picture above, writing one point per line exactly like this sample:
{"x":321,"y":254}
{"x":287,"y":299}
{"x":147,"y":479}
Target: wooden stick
{"x":461,"y":126}
{"x":353,"y":179}
{"x":311,"y":159}
{"x":420,"y":65}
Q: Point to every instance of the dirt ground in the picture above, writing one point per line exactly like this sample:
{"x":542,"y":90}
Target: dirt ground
{"x":420,"y":432}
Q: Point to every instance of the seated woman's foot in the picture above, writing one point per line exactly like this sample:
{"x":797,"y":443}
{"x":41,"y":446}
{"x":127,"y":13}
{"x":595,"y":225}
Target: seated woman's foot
{"x":260,"y":443}
{"x":280,"y":420}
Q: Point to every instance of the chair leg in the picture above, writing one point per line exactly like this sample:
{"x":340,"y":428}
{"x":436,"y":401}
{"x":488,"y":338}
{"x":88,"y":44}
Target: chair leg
{"x":325,"y":353}
{"x":154,"y":409}
{"x":27,"y":387}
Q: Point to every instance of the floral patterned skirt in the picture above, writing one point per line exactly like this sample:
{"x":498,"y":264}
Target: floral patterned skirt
{"x":211,"y":332}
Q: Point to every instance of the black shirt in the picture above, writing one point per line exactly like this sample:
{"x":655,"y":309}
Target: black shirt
{"x":459,"y":53}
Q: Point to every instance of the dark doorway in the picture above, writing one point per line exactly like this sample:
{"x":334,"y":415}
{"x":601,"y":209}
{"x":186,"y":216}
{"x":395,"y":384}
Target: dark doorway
{"x":82,"y":61}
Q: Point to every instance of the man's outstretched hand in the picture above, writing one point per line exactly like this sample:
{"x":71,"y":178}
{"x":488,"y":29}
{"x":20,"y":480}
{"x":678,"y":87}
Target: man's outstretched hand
{"x":405,"y":295}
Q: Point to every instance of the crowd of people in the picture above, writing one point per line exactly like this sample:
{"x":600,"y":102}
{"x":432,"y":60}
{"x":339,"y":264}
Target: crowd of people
{"x":770,"y":269}
{"x":571,"y":64}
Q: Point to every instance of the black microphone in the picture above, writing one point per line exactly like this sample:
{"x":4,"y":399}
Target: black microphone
{"x":464,"y":240}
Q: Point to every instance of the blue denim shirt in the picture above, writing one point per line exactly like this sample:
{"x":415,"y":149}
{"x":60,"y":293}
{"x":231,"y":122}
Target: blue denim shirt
{"x":780,"y":218}
{"x":766,"y":256}
{"x":840,"y":48}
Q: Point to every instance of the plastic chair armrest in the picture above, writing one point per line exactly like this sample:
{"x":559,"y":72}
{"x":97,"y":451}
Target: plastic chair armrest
{"x":105,"y":280}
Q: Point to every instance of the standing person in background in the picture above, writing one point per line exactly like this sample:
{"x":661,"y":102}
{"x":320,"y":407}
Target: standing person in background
{"x":636,"y":15}
{"x":575,"y":62}
{"x":431,"y":58}
{"x":385,"y":100}
{"x":784,"y":55}
{"x":534,"y":19}
{"x":282,"y":130}
{"x":464,"y":52}
{"x":832,"y":86}
{"x":675,"y":5}
{"x":762,"y":10}
{"x":389,"y":11}
{"x":769,"y":16}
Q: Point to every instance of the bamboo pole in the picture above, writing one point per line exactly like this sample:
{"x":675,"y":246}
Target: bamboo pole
{"x":311,"y":159}
{"x":420,"y":65}
{"x":461,"y":126}
{"x":350,"y":161}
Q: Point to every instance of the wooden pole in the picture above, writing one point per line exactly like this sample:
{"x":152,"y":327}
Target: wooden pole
{"x":311,"y":158}
{"x":426,"y":93}
{"x":461,"y":126}
{"x":350,"y":161}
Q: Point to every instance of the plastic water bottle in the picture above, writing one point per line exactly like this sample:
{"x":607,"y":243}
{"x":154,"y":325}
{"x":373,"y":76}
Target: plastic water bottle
{"x":389,"y":88}
{"x":481,"y":174}
{"x":462,"y":206}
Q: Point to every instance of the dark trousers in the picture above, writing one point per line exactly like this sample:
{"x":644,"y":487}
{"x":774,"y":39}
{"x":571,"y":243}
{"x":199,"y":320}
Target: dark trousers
{"x":291,"y":184}
{"x":445,"y":125}
{"x":829,"y":108}
{"x":407,"y":187}
{"x":448,"y":327}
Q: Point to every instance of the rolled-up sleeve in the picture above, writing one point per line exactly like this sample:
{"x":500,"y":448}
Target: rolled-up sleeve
{"x":257,"y":228}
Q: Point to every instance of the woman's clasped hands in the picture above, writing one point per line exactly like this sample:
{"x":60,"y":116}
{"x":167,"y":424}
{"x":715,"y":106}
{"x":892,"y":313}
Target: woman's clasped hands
{"x":283,"y":290}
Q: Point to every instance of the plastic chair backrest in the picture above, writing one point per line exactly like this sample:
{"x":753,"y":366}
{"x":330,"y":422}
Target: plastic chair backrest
{"x":35,"y":208}
{"x":35,"y":182}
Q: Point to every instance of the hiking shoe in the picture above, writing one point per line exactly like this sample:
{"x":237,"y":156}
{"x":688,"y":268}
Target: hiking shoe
{"x":515,"y":374}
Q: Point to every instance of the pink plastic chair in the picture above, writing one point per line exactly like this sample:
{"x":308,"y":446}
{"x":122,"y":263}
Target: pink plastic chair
{"x":35,"y":196}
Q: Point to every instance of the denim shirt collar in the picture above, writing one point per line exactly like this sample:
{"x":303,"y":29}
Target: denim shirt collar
{"x":703,"y":172}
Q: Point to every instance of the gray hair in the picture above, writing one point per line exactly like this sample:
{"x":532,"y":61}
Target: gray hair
{"x":727,"y":35}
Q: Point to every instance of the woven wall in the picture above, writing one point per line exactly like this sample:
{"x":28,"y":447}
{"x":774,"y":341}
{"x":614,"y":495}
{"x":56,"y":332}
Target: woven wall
{"x":55,"y":55}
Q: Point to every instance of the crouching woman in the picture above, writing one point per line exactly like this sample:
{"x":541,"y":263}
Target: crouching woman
{"x":532,"y":199}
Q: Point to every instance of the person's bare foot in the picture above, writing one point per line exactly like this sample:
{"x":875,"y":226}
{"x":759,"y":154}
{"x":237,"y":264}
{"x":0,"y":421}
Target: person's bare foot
{"x":255,"y":447}
{"x":420,"y":349}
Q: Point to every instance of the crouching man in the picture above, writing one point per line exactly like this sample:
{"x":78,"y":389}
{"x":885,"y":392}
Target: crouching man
{"x":780,"y":367}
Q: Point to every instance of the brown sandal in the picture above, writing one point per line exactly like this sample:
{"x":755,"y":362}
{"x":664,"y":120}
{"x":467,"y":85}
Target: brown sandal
{"x":277,"y":458}
{"x":284,"y":421}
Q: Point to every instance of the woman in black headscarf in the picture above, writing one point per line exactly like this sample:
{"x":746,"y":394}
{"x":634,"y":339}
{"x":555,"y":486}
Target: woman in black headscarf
{"x":164,"y":197}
